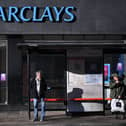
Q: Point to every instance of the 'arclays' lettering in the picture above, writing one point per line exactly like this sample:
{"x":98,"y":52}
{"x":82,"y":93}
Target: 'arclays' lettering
{"x":37,"y":14}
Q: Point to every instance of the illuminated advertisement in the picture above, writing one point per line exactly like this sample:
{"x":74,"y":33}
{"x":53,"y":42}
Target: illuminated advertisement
{"x":106,"y":73}
{"x":3,"y":77}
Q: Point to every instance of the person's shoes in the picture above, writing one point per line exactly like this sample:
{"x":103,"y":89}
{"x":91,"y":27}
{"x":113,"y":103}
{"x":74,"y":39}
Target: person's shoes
{"x":41,"y":120}
{"x":35,"y":120}
{"x":122,"y":116}
{"x":116,"y":116}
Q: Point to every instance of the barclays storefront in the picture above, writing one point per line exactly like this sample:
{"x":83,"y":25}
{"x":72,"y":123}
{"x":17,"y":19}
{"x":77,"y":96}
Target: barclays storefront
{"x":77,"y":45}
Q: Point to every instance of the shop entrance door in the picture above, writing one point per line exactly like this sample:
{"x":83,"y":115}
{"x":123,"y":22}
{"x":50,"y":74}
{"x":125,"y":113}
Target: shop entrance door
{"x":52,"y":64}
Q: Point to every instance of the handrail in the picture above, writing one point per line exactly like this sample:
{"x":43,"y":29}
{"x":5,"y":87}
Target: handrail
{"x":75,"y":99}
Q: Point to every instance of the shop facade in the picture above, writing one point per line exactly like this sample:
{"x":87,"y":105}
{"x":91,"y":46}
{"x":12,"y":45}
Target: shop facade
{"x":72,"y":52}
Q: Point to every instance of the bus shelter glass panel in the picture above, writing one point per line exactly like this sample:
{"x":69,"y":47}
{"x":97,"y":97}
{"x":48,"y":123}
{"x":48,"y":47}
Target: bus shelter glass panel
{"x":84,"y":80}
{"x":3,"y":74}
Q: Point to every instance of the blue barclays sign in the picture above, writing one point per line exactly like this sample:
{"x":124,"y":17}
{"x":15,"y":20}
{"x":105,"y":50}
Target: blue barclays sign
{"x":37,"y":14}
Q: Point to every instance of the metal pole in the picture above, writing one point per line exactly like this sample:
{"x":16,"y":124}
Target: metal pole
{"x":28,"y":82}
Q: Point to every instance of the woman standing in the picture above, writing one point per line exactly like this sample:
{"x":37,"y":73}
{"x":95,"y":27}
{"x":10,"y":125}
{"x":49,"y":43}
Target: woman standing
{"x":116,"y":91}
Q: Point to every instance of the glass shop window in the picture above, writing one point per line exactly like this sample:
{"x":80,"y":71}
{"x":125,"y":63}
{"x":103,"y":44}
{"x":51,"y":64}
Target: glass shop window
{"x":3,"y":76}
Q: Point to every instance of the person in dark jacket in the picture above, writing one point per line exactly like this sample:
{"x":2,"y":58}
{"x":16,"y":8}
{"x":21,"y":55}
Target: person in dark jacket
{"x":38,"y":90}
{"x":116,"y":87}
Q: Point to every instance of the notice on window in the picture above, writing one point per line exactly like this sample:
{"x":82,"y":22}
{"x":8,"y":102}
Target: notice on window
{"x":93,"y":79}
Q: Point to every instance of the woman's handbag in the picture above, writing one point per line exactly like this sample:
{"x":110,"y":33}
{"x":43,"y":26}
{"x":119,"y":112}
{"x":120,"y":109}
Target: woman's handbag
{"x":117,"y":105}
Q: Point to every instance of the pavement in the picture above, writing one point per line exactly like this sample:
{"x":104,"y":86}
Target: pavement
{"x":58,"y":118}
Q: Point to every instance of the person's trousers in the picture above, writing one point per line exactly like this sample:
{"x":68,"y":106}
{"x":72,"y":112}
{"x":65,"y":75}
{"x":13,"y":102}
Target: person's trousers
{"x":36,"y":102}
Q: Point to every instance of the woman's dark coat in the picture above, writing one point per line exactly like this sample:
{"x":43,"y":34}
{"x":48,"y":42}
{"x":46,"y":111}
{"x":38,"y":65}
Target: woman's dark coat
{"x":43,"y":88}
{"x":116,"y":89}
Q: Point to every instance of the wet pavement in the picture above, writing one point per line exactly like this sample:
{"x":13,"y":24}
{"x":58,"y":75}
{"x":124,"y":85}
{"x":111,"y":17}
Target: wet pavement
{"x":60,"y":119}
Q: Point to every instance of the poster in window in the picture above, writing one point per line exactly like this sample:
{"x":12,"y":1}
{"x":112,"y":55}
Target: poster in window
{"x":106,"y":73}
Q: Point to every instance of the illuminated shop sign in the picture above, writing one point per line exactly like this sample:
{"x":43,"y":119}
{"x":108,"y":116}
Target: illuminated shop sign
{"x":37,"y":14}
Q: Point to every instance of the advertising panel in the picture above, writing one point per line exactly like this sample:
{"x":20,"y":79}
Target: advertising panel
{"x":106,"y":74}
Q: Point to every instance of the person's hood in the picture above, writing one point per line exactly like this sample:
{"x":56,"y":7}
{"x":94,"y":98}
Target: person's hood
{"x":115,"y":75}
